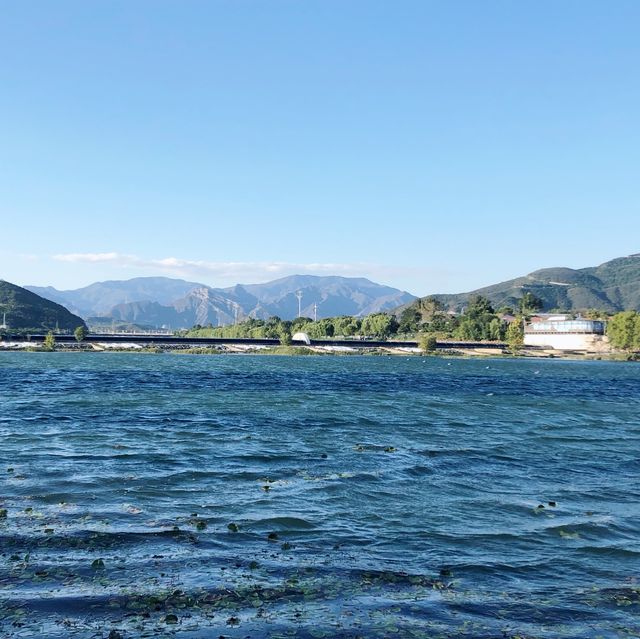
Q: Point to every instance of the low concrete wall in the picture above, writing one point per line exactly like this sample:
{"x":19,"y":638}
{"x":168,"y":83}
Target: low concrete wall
{"x":569,"y":341}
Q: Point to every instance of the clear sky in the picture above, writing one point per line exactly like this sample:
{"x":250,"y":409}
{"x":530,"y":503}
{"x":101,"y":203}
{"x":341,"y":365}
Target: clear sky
{"x":433,"y":146}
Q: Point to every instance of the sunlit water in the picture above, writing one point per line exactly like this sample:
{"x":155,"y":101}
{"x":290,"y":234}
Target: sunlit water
{"x":199,"y":496}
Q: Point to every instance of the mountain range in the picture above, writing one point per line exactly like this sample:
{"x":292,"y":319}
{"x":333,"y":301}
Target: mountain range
{"x":24,"y":310}
{"x":174,"y":303}
{"x":613,"y":286}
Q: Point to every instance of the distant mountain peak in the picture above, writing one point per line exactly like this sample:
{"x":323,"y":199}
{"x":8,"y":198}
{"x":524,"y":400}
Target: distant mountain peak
{"x":181,"y":304}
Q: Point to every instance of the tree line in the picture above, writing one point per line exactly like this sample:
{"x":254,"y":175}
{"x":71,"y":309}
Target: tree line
{"x":623,"y":330}
{"x":478,"y":322}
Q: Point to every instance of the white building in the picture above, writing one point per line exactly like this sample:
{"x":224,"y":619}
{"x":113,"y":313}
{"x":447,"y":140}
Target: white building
{"x":567,"y":335}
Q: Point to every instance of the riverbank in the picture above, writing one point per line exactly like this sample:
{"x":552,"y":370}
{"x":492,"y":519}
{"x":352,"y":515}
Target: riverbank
{"x":294,"y":350}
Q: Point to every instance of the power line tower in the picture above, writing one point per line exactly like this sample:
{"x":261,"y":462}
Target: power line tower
{"x":299,"y":296}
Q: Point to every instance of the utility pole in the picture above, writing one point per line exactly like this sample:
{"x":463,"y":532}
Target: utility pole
{"x":299,"y":296}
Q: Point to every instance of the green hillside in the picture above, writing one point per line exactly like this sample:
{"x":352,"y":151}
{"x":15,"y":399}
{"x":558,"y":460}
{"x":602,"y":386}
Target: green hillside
{"x":613,"y":286}
{"x":25,"y":310}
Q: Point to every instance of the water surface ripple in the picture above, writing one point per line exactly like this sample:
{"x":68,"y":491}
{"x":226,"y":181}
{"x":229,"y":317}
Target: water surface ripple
{"x":199,"y":496}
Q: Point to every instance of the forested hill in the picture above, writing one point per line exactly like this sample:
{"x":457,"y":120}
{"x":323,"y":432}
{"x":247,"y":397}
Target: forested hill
{"x":25,"y":310}
{"x":612,"y":286}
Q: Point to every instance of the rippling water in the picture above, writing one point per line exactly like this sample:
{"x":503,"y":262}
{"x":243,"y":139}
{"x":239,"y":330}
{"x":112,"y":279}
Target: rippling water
{"x":199,"y":496}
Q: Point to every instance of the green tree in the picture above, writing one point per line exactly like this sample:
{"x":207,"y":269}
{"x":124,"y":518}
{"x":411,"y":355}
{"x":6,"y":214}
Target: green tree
{"x":529,"y":303}
{"x":319,"y":330}
{"x":636,"y":333}
{"x":622,"y":331}
{"x":515,"y":335}
{"x":442,"y":323}
{"x":328,"y":327}
{"x":410,"y":320}
{"x":505,"y":310}
{"x":479,"y":321}
{"x":496,"y":329}
{"x":284,"y":335}
{"x":478,"y":306}
{"x":595,"y":314}
{"x":427,"y":343}
{"x":379,"y":325}
{"x":81,"y":333}
{"x":347,"y":325}
{"x":468,"y":329}
{"x":299,"y":324}
{"x":49,"y":343}
{"x":274,"y":327}
{"x":429,"y":307}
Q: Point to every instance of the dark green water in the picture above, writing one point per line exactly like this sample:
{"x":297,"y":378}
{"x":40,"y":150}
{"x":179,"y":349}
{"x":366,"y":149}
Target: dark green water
{"x":165,"y":495}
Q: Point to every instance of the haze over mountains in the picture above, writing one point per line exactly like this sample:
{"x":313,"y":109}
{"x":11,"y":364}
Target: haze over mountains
{"x":613,"y":286}
{"x":162,"y":301}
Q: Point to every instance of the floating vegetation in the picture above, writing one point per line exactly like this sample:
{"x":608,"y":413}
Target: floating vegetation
{"x":629,"y":596}
{"x":565,"y":534}
{"x":372,"y":448}
{"x":197,"y":522}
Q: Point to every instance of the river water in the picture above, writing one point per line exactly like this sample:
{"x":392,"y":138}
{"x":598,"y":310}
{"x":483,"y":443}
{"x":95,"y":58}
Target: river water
{"x":148,"y":495}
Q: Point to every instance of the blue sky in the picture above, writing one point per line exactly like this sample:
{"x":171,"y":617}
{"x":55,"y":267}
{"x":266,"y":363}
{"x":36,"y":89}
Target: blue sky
{"x":434,"y":146}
